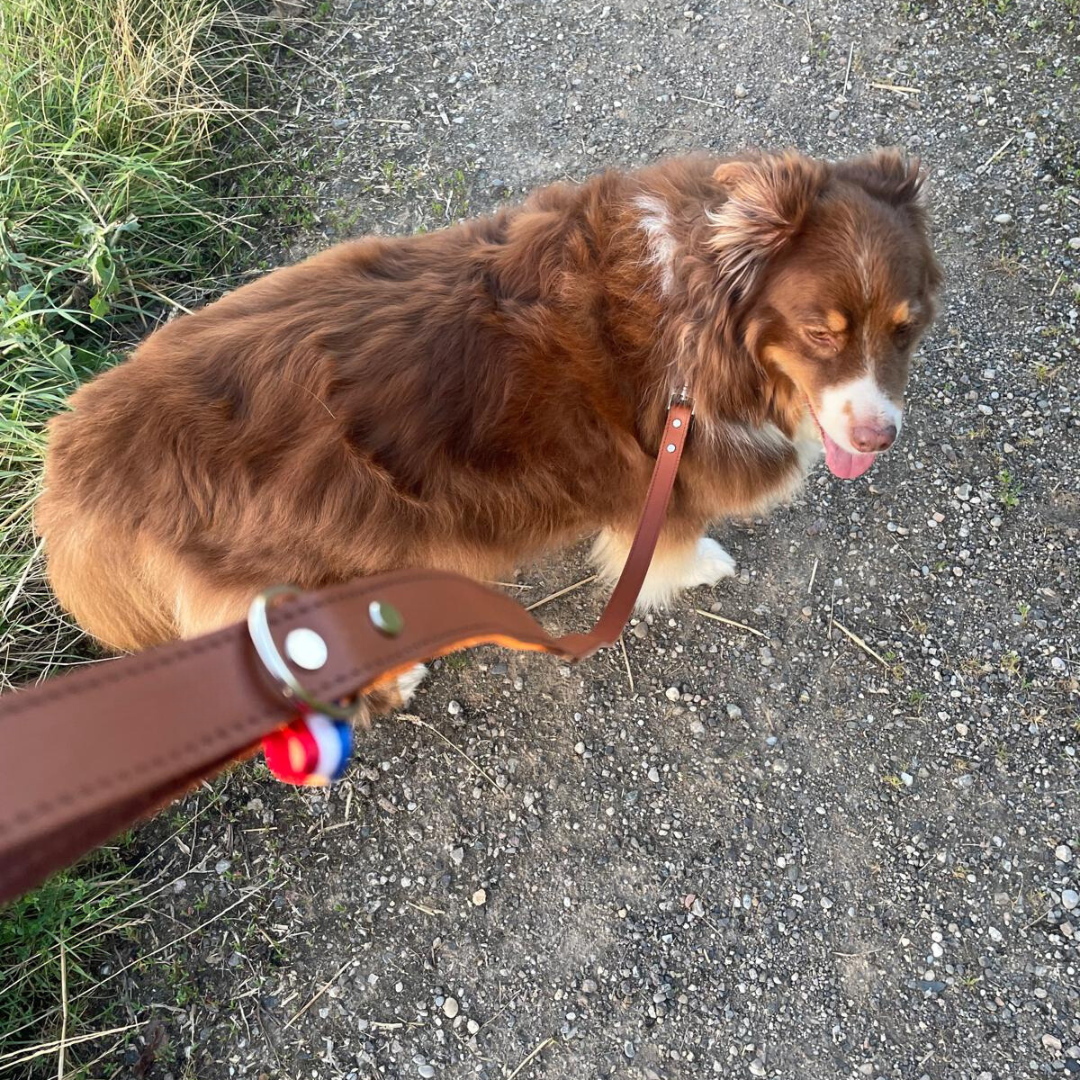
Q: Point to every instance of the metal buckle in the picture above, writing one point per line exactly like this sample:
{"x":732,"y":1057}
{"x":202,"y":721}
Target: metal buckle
{"x":266,"y":648}
{"x":681,"y":397}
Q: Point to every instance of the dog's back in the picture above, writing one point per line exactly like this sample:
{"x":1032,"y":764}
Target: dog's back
{"x":346,"y":415}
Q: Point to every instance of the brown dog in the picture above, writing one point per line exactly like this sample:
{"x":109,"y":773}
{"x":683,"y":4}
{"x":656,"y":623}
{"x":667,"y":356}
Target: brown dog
{"x":473,"y":398}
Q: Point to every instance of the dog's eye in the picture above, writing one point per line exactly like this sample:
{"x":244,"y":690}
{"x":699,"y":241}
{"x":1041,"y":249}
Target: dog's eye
{"x":902,"y":332}
{"x":820,"y":336}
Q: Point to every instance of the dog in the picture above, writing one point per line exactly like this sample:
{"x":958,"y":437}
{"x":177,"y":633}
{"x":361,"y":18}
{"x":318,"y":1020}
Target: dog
{"x":474,"y":398}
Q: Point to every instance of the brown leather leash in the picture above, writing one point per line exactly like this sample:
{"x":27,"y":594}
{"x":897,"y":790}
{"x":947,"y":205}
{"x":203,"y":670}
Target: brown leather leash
{"x":85,"y":755}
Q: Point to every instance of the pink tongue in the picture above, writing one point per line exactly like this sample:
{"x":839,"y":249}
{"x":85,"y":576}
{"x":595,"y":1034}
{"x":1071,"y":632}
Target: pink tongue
{"x":843,"y":463}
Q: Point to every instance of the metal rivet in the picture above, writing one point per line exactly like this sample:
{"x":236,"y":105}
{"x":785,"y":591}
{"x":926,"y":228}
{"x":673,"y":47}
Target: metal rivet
{"x":386,"y":618}
{"x":305,"y":648}
{"x":671,"y":448}
{"x":676,"y":422}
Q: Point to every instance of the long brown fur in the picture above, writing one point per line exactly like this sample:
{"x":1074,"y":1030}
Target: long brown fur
{"x":474,"y":398}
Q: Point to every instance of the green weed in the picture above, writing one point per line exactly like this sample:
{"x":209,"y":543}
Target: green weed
{"x":1009,"y":490}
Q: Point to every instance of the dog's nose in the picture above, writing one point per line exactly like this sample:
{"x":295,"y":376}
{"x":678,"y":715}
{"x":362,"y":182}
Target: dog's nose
{"x":872,"y":438}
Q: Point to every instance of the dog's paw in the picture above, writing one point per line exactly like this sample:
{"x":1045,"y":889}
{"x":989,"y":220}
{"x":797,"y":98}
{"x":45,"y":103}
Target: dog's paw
{"x":391,"y":696}
{"x":408,"y":682}
{"x":711,"y":564}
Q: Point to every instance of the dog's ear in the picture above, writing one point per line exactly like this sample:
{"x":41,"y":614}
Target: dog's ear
{"x":768,"y":198}
{"x":888,"y":175}
{"x":899,"y":181}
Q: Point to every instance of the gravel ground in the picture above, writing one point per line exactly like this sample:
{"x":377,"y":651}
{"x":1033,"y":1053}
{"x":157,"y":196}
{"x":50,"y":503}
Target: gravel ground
{"x":843,"y":845}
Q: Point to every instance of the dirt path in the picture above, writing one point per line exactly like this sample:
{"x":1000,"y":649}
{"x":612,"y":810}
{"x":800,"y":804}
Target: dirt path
{"x":770,"y":855}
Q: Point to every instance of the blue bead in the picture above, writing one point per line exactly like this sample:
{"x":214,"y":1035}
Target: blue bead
{"x":345,"y":735}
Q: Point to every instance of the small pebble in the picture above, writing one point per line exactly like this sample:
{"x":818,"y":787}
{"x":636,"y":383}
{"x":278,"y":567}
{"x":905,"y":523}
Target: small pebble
{"x":672,"y":693}
{"x":472,"y":1025}
{"x":734,"y":712}
{"x":450,"y":1008}
{"x":1074,"y":243}
{"x":1051,"y":1042}
{"x":1063,"y":853}
{"x":1069,"y":899}
{"x":426,"y":1071}
{"x":1003,"y":219}
{"x":654,"y":775}
{"x":740,"y":90}
{"x":453,"y":708}
{"x":479,"y":898}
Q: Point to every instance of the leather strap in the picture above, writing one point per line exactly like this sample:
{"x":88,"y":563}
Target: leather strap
{"x":86,"y":754}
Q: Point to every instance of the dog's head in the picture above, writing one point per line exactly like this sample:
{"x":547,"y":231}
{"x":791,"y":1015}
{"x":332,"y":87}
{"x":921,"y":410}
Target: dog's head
{"x":838,"y":283}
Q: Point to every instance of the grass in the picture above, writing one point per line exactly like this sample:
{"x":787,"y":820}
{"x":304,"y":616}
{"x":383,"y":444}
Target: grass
{"x":114,"y":209}
{"x":74,"y":914}
{"x":109,"y":110}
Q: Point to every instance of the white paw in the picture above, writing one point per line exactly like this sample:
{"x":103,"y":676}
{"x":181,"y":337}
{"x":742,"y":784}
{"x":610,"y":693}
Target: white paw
{"x":711,"y":564}
{"x":409,"y":681}
{"x":704,"y":564}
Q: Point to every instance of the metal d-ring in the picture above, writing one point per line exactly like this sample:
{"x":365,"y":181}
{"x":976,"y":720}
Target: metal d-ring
{"x":268,"y":652}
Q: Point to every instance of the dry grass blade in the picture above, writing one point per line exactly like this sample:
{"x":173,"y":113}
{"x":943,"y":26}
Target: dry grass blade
{"x":326,"y":986}
{"x":425,"y":910}
{"x":859,"y":641}
{"x":31,"y":1053}
{"x":408,"y":717}
{"x":169,"y":944}
{"x":701,"y":101}
{"x":996,"y":154}
{"x":64,"y":1012}
{"x":729,"y":622}
{"x":539,"y":1050}
{"x":626,"y":661}
{"x":561,"y":592}
{"x":896,"y":88}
